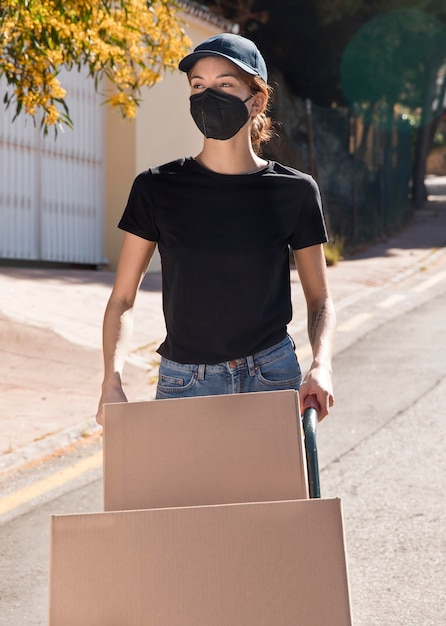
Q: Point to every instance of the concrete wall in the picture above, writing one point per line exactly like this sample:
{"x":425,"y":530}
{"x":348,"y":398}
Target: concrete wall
{"x":162,"y":131}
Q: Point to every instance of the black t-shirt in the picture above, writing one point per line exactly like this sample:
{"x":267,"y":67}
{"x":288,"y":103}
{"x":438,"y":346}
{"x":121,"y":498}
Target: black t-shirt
{"x":224,"y":245}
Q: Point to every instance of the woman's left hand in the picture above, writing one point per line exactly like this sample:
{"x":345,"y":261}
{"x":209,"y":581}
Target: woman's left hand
{"x":317,"y":385}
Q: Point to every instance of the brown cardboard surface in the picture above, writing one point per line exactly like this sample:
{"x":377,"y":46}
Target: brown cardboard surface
{"x":202,"y":451}
{"x":257,"y":564}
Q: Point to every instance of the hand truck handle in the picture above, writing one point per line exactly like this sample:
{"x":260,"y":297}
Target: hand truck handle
{"x":309,"y":422}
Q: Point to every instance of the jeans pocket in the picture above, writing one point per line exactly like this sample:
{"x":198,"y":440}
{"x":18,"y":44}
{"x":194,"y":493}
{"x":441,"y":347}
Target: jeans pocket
{"x":281,"y":373}
{"x":173,"y":380}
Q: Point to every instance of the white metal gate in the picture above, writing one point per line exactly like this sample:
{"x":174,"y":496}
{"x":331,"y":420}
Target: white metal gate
{"x":51,"y":189}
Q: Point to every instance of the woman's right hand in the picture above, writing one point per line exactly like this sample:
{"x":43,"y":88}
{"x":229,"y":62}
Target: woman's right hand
{"x":109,"y":396}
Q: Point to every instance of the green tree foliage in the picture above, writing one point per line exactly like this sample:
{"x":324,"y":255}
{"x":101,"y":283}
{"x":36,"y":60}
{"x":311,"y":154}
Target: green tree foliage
{"x":129,"y":42}
{"x":395,"y":57}
{"x":376,"y":53}
{"x":306,"y":39}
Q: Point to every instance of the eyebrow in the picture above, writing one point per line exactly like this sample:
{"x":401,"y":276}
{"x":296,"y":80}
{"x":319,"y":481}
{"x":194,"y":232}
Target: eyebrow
{"x":224,"y":75}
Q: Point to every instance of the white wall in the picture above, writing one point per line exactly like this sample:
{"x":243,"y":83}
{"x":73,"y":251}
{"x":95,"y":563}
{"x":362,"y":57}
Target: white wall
{"x":51,"y":188}
{"x":162,"y":131}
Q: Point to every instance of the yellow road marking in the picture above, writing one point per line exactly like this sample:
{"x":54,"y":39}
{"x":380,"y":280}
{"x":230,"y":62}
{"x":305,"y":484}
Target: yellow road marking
{"x":354,"y":322}
{"x":27,"y":494}
{"x":430,"y":282}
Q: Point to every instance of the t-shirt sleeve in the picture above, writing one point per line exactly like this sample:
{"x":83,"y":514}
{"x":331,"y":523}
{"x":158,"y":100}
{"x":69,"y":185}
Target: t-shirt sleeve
{"x":139,"y":214}
{"x":310,"y":228}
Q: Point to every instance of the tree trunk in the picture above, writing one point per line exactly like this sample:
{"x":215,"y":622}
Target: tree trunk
{"x":423,"y":143}
{"x":425,"y":137}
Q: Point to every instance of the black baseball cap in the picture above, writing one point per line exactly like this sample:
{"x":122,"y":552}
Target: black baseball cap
{"x":241,"y":51}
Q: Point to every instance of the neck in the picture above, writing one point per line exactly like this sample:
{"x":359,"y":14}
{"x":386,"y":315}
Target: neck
{"x":229,"y":157}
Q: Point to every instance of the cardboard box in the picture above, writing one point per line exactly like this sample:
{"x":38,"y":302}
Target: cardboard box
{"x":202,"y":451}
{"x":257,"y":564}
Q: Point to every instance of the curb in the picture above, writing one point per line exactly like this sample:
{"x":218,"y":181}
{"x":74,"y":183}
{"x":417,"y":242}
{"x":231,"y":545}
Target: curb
{"x":431,"y":257}
{"x":52,"y":444}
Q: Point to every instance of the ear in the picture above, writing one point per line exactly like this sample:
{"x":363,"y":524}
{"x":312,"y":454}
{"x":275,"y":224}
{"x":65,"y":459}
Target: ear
{"x":258,"y":103}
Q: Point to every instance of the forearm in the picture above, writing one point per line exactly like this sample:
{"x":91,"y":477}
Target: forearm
{"x":117,"y":335}
{"x":310,"y":263}
{"x":117,"y":327}
{"x":321,"y":332}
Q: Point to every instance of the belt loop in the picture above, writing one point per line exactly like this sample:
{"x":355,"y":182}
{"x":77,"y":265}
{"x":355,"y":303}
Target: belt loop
{"x":201,"y":371}
{"x":251,"y":366}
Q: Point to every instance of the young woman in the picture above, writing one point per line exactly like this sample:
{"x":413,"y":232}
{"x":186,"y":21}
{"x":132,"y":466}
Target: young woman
{"x":224,"y":222}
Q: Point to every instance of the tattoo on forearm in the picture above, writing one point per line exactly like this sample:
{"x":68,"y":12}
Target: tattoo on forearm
{"x":317,"y":318}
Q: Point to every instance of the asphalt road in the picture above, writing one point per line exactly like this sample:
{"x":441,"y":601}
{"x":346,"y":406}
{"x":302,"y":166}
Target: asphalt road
{"x":381,"y":451}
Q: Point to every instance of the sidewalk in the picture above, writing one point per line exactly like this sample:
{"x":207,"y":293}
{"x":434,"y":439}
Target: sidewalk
{"x":50,"y":334}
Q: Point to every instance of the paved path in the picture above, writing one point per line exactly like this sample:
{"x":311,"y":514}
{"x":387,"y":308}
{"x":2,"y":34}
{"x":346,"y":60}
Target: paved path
{"x":50,"y":333}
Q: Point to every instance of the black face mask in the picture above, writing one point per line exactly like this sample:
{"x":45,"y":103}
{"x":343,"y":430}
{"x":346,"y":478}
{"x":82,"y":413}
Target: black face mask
{"x":218,"y":115}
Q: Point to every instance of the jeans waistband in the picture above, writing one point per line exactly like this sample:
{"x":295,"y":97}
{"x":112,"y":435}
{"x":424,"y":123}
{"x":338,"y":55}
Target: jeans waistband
{"x":258,"y":358}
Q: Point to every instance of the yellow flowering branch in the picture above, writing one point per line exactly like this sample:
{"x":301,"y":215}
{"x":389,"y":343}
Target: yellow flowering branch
{"x":131,"y":42}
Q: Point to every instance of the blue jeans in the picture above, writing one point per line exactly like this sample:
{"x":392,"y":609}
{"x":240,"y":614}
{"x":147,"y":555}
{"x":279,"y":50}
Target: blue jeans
{"x":273,"y":369}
